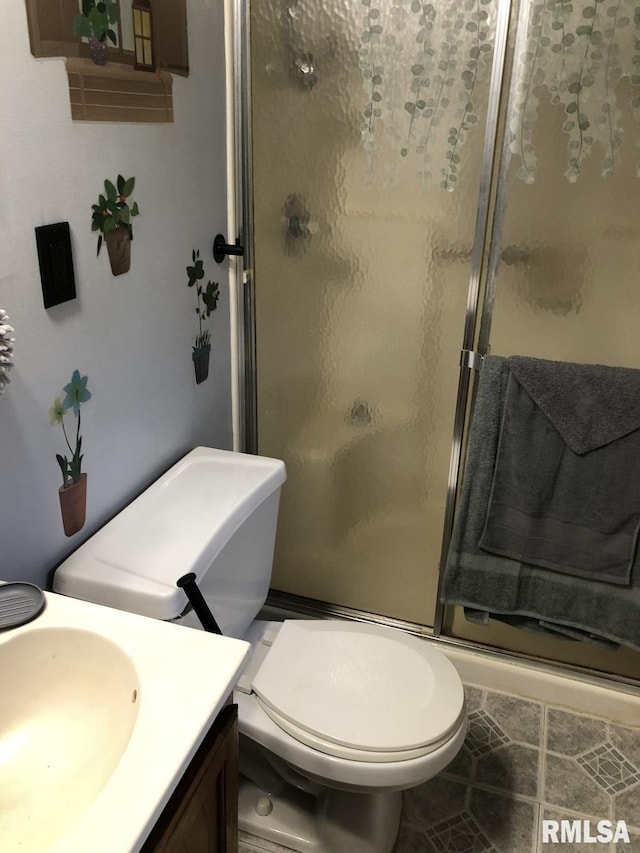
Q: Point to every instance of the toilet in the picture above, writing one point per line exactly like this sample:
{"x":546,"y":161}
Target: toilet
{"x":336,"y":717}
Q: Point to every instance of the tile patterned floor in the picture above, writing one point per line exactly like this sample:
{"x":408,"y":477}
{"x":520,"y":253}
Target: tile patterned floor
{"x":522,"y":762}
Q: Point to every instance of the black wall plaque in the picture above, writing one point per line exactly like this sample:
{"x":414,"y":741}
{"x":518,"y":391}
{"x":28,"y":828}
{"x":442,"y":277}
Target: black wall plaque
{"x":56,"y":263}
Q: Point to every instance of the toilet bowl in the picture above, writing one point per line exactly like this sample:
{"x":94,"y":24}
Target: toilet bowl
{"x":336,"y":717}
{"x":382,"y":712}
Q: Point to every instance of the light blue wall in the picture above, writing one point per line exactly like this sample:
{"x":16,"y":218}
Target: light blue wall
{"x":130,"y":335}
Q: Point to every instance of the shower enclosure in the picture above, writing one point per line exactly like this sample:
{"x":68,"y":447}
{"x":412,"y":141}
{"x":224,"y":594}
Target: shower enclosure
{"x":423,"y":181}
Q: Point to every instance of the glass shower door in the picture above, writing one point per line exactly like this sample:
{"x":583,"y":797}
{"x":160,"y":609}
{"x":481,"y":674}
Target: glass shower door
{"x":565,"y":257}
{"x":367,"y":133}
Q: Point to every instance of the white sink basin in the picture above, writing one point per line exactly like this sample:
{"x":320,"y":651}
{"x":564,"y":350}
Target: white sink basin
{"x":65,"y":721}
{"x":101,"y":713}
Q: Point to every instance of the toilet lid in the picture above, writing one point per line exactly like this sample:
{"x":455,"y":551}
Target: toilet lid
{"x":344,"y":686}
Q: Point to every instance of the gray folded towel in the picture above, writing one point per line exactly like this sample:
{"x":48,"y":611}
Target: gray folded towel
{"x":504,"y":586}
{"x":590,"y":405}
{"x":539,"y":626}
{"x":566,"y":485}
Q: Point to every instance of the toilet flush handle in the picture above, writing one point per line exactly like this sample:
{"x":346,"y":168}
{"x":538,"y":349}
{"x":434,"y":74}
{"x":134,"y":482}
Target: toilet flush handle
{"x":196,"y":600}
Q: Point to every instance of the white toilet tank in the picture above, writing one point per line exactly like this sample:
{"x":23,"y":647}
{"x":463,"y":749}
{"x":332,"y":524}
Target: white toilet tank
{"x":213,"y":513}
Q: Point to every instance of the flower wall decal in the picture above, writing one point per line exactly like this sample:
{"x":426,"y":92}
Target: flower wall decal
{"x":206,"y":302}
{"x":73,"y":491}
{"x":111,"y":217}
{"x":76,"y":392}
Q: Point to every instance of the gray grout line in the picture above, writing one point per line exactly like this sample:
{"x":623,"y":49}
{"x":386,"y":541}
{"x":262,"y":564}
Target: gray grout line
{"x":543,"y":752}
{"x":611,"y":797}
{"x":491,"y":789}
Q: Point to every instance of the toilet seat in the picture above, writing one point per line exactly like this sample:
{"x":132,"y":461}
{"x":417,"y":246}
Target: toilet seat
{"x":358,"y":691}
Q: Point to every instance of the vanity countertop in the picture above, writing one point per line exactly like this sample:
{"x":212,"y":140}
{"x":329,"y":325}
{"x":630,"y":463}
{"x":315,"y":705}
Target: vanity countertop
{"x":106,"y":709}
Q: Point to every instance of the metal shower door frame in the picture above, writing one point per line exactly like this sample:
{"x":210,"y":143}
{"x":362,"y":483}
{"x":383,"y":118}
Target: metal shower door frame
{"x":473,"y":351}
{"x":243,"y":189}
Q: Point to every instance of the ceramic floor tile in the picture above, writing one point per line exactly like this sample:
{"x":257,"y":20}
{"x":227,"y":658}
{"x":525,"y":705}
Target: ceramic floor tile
{"x":474,"y":697}
{"x":510,"y":824}
{"x":572,"y":734}
{"x":463,"y":765}
{"x":512,"y":768}
{"x":459,"y":834}
{"x":626,"y":806}
{"x":519,"y":719}
{"x":568,"y":786}
{"x":627,"y":741}
{"x":410,"y":840}
{"x":484,"y":733}
{"x":609,"y":769}
{"x":436,"y":800}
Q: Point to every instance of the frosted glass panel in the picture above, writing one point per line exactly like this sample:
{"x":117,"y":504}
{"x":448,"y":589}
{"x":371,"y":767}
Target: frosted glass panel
{"x":566,"y":286}
{"x":361,"y":276}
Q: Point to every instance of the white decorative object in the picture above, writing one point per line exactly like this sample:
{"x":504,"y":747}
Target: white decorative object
{"x":6,"y":349}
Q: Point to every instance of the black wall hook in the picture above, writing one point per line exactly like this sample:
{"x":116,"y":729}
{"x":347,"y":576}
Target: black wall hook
{"x":221,"y":248}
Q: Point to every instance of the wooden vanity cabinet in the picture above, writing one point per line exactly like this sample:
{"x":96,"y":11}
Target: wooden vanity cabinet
{"x":202,"y":814}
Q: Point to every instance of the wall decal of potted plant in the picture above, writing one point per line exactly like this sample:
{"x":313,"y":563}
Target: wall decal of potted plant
{"x":206,"y":302}
{"x":112,"y":217}
{"x":73,"y":491}
{"x":95,"y":24}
